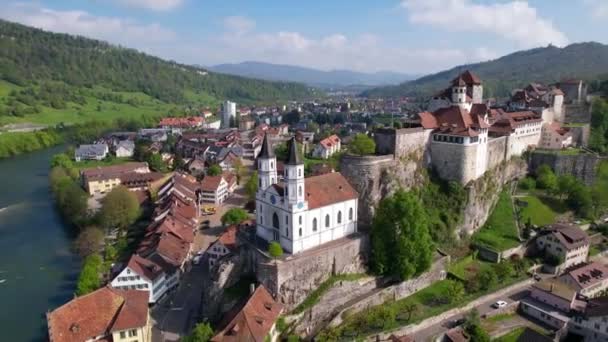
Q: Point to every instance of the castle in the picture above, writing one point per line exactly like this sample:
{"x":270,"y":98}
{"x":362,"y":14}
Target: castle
{"x":301,"y":213}
{"x":462,"y":137}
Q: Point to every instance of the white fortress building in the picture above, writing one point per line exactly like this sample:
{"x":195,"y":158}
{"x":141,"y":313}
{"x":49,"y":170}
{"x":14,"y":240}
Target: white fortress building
{"x":228,"y":114}
{"x":302,"y":213}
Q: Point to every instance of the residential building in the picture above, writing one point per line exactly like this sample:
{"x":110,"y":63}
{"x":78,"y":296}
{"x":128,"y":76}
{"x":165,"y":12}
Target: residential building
{"x":551,"y":302}
{"x":196,"y":167}
{"x":214,"y":189}
{"x":191,"y":122}
{"x":523,"y":129}
{"x":107,"y":314}
{"x":548,"y":101}
{"x":588,"y":279}
{"x":228,"y":114}
{"x":154,"y":134}
{"x":555,"y":137}
{"x":125,"y":149}
{"x":327,"y":147}
{"x":91,"y":152}
{"x":566,"y":243}
{"x":155,"y":276}
{"x":255,"y":320}
{"x":224,"y":245}
{"x":592,"y":324}
{"x":302,"y":213}
{"x":102,"y":179}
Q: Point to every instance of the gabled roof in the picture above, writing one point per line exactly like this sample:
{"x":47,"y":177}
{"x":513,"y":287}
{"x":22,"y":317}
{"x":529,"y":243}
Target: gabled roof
{"x":468,"y":78}
{"x":228,"y":238}
{"x":328,"y":189}
{"x":253,"y":321}
{"x":571,"y":237}
{"x":211,"y":183}
{"x":98,"y":314}
{"x":556,"y":288}
{"x":145,"y":268}
{"x":587,"y":275}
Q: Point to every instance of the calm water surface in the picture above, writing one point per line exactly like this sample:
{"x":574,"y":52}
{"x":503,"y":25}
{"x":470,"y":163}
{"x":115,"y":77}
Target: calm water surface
{"x":38,"y":268}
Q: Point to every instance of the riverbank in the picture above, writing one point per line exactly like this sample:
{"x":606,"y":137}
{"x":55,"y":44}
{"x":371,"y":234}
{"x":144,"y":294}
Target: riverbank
{"x":36,"y":258}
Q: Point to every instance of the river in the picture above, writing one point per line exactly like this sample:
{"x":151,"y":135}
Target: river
{"x":38,"y":268}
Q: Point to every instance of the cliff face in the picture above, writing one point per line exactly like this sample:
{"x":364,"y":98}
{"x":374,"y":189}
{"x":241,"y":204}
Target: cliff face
{"x":376,"y":177}
{"x":582,"y":166}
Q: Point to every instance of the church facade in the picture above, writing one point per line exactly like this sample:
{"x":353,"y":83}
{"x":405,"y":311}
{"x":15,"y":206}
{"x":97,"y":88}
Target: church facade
{"x":302,"y":212}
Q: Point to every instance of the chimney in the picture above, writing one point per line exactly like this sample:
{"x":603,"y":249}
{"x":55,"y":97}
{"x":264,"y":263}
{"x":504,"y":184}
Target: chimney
{"x":251,"y":288}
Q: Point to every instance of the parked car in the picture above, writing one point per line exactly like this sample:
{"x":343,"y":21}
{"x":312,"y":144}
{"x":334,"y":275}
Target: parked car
{"x":197,"y":259}
{"x":499,"y":304}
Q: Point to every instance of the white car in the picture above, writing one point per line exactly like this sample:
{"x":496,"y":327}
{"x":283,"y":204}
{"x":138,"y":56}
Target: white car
{"x":499,"y":304}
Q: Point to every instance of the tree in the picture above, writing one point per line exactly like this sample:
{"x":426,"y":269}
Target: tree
{"x":275,"y":250}
{"x":411,"y":309}
{"x":580,"y":200}
{"x":478,"y":334}
{"x":546,"y":179}
{"x":527,"y":183}
{"x":89,"y":241}
{"x":202,"y":332}
{"x":504,"y":270}
{"x":178,"y":162}
{"x":119,"y":209}
{"x":155,"y":161}
{"x":401,"y":243}
{"x":487,"y":278}
{"x":234,"y":216}
{"x":214,"y":170}
{"x":251,"y":187}
{"x":565,"y":185}
{"x":362,"y":145}
{"x":62,"y":160}
{"x":454,"y":291}
{"x":471,"y":319}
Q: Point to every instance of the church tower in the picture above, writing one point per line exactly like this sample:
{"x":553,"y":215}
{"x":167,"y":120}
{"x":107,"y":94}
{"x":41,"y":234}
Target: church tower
{"x":267,"y":166}
{"x":459,"y":92}
{"x":294,"y":175}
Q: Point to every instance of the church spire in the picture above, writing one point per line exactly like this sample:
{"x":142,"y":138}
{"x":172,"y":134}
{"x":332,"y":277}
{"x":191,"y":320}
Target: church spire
{"x":266,"y":152}
{"x":293,"y":157}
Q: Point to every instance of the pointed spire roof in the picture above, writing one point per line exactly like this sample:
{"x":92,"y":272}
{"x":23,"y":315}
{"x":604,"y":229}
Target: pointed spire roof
{"x":293,"y":157}
{"x":267,"y":152}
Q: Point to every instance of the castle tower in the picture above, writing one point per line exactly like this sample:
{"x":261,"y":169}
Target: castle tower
{"x":459,"y":92}
{"x":267,"y":166}
{"x":294,"y":175}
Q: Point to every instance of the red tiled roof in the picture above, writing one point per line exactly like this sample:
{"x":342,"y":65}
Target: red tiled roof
{"x":468,"y":78}
{"x":571,"y":237}
{"x":97,"y":314}
{"x":211,"y":183}
{"x":330,"y":141}
{"x":254,"y":321}
{"x":144,"y":267}
{"x":182,"y":122}
{"x":112,"y":171}
{"x":328,"y":189}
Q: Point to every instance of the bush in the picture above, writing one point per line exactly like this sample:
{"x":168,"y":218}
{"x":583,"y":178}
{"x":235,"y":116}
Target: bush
{"x":89,"y":279}
{"x":527,"y":183}
{"x":362,"y":145}
{"x":234,"y":216}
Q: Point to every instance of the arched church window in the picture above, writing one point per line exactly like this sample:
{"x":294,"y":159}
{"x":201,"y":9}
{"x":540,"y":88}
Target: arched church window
{"x":300,"y":231}
{"x":300,"y":219}
{"x":314,"y":224}
{"x":327,"y":221}
{"x":339,"y":217}
{"x":275,"y":220}
{"x":299,"y":172}
{"x":350,"y":214}
{"x":271,"y":165}
{"x":300,"y":191}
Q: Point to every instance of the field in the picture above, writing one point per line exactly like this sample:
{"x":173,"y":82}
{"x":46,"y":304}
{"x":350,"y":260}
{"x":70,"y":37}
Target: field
{"x":541,"y":210}
{"x":467,"y":267}
{"x":500,"y":231}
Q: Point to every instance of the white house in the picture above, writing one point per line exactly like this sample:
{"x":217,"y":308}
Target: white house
{"x":590,"y":280}
{"x":327,"y":147}
{"x":555,"y":137}
{"x":214,"y":189}
{"x":302,"y":213}
{"x":148,"y":275}
{"x":223,"y":246}
{"x":569,"y":244}
{"x":91,"y":152}
{"x":125,"y":149}
{"x":593,"y":323}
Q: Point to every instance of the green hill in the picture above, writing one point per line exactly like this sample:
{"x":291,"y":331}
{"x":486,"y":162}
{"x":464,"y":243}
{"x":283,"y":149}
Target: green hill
{"x":50,"y":78}
{"x":587,"y":61}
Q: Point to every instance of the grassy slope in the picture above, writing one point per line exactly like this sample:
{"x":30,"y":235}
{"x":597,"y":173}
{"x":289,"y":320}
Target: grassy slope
{"x":541,"y":210}
{"x":500,"y":231}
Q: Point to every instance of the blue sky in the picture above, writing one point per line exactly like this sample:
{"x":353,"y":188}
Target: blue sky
{"x":412,"y":36}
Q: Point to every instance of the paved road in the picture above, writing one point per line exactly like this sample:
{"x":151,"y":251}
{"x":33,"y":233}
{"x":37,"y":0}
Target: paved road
{"x":436,"y":330}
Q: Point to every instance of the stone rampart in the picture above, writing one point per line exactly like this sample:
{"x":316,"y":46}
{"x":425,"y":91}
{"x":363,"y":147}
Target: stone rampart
{"x":583,"y":165}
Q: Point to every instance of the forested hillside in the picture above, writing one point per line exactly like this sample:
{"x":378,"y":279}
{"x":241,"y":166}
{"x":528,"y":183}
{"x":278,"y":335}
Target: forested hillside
{"x":49,"y":78}
{"x":588,"y":61}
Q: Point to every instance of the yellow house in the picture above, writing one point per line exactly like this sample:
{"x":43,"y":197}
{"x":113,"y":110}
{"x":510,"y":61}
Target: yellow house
{"x":102,"y":179}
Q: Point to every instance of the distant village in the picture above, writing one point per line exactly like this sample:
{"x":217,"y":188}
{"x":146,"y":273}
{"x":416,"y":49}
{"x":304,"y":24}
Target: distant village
{"x":282,"y":165}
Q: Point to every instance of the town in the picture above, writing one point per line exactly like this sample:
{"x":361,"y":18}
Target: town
{"x":312,"y":221}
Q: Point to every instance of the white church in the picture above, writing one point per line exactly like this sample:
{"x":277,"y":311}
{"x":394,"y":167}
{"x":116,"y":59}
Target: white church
{"x":302,"y":213}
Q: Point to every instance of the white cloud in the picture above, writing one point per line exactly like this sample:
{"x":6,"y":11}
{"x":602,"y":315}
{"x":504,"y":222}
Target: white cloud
{"x":239,"y":24}
{"x":155,"y":5}
{"x":116,"y":30}
{"x":515,"y":20}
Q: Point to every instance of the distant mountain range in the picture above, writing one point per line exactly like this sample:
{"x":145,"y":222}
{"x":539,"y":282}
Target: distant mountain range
{"x":587,"y":61}
{"x":313,"y":77}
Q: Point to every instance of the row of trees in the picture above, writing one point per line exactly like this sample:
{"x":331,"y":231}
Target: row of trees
{"x":598,"y":140}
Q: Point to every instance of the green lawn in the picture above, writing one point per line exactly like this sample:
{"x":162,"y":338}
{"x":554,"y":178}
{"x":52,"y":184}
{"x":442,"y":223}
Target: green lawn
{"x":541,"y":210}
{"x":513,"y":336}
{"x":500,"y":231}
{"x":467,"y":267}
